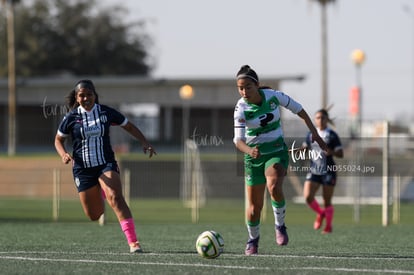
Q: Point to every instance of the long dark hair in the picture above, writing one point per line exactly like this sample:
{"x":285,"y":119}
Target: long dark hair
{"x":70,"y":99}
{"x":325,"y":113}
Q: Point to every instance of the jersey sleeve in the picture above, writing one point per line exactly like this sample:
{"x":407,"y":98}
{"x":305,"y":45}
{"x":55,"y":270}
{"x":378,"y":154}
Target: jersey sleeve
{"x":63,"y":129}
{"x":335,"y":143}
{"x":239,"y":124}
{"x":288,"y":102}
{"x":124,"y":122}
{"x":117,"y":118}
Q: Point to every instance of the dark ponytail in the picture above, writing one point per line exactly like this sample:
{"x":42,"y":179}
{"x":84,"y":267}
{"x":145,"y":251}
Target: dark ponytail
{"x":247,"y":72}
{"x":70,"y":100}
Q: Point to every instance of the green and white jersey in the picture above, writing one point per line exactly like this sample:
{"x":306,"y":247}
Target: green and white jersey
{"x":261,"y":125}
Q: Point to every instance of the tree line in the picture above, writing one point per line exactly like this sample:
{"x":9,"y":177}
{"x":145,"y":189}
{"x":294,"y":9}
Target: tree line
{"x":78,"y":37}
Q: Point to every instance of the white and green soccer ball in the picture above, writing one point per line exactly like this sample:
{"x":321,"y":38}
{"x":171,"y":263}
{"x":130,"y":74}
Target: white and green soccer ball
{"x":210,"y":244}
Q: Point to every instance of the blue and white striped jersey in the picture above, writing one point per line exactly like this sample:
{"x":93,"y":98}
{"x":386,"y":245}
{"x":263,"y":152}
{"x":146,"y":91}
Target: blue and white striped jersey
{"x":320,"y":162}
{"x":89,"y":131}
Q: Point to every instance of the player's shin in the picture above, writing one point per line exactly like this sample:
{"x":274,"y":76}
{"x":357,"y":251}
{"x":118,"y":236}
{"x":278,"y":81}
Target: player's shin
{"x":128,"y":227}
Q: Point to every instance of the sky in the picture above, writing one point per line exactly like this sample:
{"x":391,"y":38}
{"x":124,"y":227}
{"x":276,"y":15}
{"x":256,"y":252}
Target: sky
{"x":203,"y":39}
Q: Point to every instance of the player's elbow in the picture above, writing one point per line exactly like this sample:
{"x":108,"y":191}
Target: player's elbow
{"x":239,"y":143}
{"x":237,"y":140}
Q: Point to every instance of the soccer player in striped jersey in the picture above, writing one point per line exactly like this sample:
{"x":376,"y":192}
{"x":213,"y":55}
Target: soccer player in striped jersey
{"x":258,"y":134}
{"x":95,"y":169}
{"x":319,"y":174}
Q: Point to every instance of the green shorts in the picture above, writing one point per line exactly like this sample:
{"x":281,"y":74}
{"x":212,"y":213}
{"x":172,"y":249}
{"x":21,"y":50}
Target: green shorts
{"x":254,"y":169}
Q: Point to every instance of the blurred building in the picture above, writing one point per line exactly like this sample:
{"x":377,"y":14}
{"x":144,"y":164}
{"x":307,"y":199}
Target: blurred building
{"x":154,"y":105}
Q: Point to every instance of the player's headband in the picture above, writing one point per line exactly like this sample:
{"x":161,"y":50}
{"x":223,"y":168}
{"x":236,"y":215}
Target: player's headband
{"x":247,"y":76}
{"x":87,"y":84}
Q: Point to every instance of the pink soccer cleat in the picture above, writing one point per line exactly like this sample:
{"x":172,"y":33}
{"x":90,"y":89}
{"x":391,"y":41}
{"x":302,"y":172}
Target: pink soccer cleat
{"x":327,"y":230}
{"x":318,"y":221}
{"x":252,"y":247}
{"x":282,"y":237}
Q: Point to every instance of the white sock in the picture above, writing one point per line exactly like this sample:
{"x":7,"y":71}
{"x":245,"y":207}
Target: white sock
{"x":254,"y":231}
{"x":279,"y":215}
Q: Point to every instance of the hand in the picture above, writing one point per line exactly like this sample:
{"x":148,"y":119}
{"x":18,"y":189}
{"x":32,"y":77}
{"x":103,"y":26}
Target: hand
{"x":149,"y":149}
{"x":329,"y":152}
{"x":255,"y":153}
{"x":66,"y":158}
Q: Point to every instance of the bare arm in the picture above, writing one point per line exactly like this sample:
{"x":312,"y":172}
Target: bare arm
{"x":61,"y":150}
{"x":315,"y":136}
{"x":136,"y":133}
{"x":336,"y":153}
{"x":252,"y":151}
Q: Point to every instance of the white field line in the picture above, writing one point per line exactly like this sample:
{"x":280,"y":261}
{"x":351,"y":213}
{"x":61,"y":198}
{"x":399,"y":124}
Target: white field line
{"x":168,"y":254}
{"x":6,"y":255}
{"x":132,"y":263}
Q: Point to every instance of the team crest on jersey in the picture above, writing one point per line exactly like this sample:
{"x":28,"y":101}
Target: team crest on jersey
{"x":272,"y":105}
{"x":103,"y":118}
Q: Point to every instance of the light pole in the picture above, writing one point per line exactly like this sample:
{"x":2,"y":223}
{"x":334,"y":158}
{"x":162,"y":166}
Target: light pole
{"x":410,"y":12}
{"x":186,"y":94}
{"x":324,"y":54}
{"x":11,"y":148}
{"x":358,"y":58}
{"x":188,"y":184}
{"x":324,"y":51}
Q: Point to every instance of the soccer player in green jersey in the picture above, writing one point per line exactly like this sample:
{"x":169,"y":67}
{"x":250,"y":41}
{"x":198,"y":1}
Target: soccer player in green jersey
{"x":258,"y":134}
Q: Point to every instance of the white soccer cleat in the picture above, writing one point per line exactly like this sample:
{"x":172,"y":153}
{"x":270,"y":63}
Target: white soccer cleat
{"x":135,"y":248}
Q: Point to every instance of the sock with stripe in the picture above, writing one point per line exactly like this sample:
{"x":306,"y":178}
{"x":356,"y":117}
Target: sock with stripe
{"x":279,"y":211}
{"x":253,"y":228}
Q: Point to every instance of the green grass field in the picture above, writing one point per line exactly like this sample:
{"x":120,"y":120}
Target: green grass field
{"x":30,"y":242}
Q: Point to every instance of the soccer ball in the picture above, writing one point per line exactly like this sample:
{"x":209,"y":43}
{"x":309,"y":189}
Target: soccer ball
{"x":210,"y":244}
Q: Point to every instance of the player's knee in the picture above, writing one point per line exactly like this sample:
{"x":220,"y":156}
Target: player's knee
{"x":275,"y":188}
{"x":95,"y":215}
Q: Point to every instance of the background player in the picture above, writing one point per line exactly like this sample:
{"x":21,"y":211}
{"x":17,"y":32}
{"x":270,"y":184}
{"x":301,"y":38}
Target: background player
{"x":319,"y":174}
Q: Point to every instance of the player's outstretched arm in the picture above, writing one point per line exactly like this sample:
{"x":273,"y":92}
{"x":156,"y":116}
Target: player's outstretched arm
{"x":136,"y":133}
{"x":315,"y":136}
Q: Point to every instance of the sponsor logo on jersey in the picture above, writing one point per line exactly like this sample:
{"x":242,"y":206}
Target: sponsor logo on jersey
{"x":91,"y":131}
